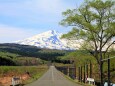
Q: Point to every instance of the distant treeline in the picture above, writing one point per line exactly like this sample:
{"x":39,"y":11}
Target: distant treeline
{"x":15,"y":54}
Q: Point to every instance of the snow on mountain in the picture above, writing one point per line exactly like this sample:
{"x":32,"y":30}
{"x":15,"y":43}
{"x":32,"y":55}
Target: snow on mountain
{"x":50,"y":39}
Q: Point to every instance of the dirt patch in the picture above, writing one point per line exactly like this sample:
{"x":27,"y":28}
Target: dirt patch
{"x":7,"y":80}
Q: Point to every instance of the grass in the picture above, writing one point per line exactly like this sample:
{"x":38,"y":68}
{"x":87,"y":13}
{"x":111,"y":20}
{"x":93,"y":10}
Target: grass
{"x":76,"y":81}
{"x":35,"y":72}
{"x":37,"y":75}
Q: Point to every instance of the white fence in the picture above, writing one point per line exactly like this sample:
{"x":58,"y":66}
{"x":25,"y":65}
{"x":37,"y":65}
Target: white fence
{"x":16,"y":81}
{"x":91,"y":81}
{"x":111,"y":84}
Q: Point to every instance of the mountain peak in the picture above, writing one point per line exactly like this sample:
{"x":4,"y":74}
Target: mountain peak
{"x":53,"y":32}
{"x":49,"y":39}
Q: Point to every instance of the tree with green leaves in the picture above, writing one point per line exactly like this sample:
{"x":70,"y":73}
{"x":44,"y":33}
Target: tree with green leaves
{"x":94,"y":22}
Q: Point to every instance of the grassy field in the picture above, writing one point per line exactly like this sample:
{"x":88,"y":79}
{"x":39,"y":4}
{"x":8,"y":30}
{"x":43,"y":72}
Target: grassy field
{"x":28,"y":73}
{"x":25,"y":55}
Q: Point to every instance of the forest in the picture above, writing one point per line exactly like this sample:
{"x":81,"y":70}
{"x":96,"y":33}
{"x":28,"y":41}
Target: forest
{"x":15,"y":54}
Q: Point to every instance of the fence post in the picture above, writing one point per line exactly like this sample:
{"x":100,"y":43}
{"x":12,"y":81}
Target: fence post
{"x":81,"y":73}
{"x":87,"y":70}
{"x":13,"y":82}
{"x":90,"y":69}
{"x":108,"y":71}
{"x":68,"y":70}
{"x":75,"y":72}
{"x":101,"y":69}
{"x":84,"y":74}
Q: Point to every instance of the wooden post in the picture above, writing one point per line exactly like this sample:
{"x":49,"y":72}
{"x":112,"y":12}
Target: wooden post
{"x":101,"y":68}
{"x":90,"y":69}
{"x":81,"y":73}
{"x":68,"y":70}
{"x":108,"y":71}
{"x":87,"y":70}
{"x":75,"y":72}
{"x":84,"y":74}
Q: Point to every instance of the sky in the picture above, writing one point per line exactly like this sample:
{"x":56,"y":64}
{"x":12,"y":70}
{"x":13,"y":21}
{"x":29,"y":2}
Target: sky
{"x":20,"y":19}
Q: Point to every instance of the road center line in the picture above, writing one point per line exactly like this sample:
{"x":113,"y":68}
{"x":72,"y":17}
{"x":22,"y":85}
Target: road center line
{"x":52,"y":73}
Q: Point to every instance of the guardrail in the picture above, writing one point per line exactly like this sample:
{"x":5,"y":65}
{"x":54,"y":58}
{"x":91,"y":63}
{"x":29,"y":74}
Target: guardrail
{"x":106,"y":84}
{"x":91,"y":81}
{"x":16,"y":81}
{"x":68,"y":70}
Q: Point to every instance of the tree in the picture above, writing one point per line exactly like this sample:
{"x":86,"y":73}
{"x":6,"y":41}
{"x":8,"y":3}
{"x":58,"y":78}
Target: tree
{"x":94,"y":22}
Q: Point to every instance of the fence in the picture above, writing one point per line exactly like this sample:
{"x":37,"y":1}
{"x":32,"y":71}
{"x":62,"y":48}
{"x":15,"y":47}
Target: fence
{"x":108,"y":60}
{"x":16,"y":81}
{"x":85,"y":73}
{"x":91,"y":81}
{"x":68,"y":70}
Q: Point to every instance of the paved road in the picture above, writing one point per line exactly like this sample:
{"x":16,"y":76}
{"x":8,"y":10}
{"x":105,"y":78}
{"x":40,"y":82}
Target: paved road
{"x":52,"y":78}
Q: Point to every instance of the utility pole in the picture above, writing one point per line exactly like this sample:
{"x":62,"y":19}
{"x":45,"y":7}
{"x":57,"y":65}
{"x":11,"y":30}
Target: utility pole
{"x":108,"y":61}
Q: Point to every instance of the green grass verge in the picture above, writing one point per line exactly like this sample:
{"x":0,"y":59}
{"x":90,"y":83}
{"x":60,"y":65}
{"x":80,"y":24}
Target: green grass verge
{"x":76,"y":81}
{"x":35,"y":76}
{"x":35,"y":72}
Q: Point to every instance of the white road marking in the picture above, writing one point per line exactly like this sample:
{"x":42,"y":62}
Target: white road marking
{"x":52,"y":73}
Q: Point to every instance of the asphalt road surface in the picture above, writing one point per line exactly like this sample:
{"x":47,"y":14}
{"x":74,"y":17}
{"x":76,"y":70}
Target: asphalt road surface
{"x":53,"y":78}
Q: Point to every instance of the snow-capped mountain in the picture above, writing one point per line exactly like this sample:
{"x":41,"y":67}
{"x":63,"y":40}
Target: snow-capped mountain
{"x":50,"y":39}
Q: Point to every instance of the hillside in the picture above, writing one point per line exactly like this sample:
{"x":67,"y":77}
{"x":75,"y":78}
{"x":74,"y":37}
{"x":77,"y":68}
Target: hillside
{"x":15,"y":54}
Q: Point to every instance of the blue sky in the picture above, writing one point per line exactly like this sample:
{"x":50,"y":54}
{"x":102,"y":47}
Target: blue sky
{"x":20,"y":19}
